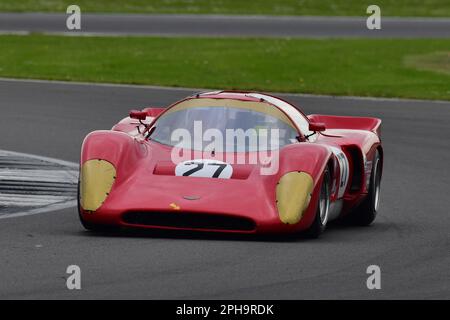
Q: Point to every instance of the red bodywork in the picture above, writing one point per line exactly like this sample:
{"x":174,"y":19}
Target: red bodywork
{"x":246,"y":203}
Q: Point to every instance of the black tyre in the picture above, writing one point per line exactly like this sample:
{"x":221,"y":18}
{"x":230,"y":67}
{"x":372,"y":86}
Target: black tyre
{"x":323,"y":208}
{"x":366,"y":212}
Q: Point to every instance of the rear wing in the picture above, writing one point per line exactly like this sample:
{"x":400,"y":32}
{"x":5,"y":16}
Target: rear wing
{"x":342,"y":122}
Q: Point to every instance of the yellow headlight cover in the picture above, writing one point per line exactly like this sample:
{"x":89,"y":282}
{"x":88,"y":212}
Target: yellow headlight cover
{"x":96,"y":180}
{"x":293,"y":193}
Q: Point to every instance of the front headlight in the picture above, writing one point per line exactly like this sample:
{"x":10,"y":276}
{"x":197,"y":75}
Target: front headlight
{"x":293,"y":194}
{"x":96,"y":180}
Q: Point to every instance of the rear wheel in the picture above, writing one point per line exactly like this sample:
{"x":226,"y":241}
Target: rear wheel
{"x":323,"y":208}
{"x":366,"y":212}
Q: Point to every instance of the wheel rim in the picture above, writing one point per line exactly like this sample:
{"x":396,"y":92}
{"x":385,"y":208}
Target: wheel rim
{"x":324,"y":201}
{"x":377,"y":179}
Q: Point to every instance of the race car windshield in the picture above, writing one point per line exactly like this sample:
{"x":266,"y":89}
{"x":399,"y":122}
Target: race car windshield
{"x":224,"y":126}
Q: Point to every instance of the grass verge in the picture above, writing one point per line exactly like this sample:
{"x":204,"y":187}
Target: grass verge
{"x":360,"y":67}
{"x":422,"y":8}
{"x":434,"y":61}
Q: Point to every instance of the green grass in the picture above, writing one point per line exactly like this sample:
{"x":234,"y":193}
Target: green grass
{"x":434,"y":61}
{"x":342,"y":66}
{"x":424,"y":8}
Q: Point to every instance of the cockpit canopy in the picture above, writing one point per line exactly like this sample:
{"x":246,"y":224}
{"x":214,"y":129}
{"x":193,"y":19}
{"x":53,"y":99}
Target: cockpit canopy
{"x":224,"y":125}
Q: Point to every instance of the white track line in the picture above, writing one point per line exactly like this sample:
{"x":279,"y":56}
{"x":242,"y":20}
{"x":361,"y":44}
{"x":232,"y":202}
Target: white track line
{"x":40,"y":202}
{"x":52,"y":207}
{"x":39,"y":175}
{"x":46,"y":159}
{"x":12,"y":200}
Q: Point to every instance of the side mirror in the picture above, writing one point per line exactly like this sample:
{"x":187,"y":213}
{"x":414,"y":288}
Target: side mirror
{"x":138,"y":115}
{"x":153,"y":111}
{"x":317,"y":126}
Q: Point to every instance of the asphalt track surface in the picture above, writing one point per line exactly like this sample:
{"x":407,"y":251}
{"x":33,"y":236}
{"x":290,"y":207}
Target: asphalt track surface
{"x":409,"y":240}
{"x":230,"y":26}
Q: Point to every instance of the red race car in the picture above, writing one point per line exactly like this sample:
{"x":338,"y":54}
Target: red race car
{"x":237,"y":162}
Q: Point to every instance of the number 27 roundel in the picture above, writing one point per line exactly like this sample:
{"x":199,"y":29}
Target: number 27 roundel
{"x":205,"y":168}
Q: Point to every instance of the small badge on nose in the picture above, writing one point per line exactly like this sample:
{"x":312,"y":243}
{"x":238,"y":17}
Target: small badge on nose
{"x":191,"y":197}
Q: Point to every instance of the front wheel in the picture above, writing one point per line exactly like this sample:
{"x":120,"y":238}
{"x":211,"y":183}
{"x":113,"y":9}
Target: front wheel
{"x":323,"y":208}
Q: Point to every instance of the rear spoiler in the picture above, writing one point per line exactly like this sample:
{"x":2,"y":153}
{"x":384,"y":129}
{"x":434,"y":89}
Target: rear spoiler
{"x":342,"y":122}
